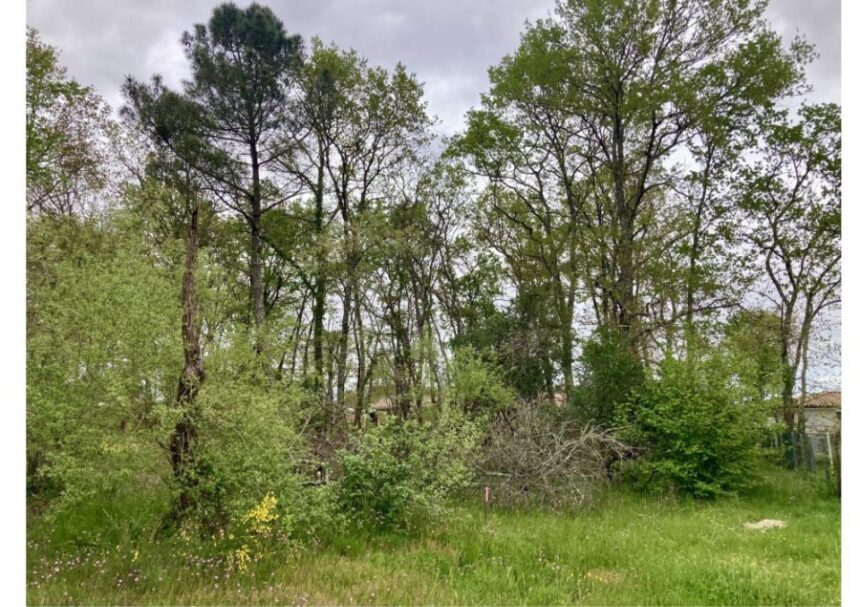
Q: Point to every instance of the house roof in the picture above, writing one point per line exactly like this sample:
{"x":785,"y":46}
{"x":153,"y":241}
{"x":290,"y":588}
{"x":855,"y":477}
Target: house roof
{"x":824,"y":400}
{"x":387,"y":403}
{"x":384,"y":404}
{"x":559,"y":399}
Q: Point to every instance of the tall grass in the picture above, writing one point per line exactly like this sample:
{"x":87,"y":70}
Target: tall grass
{"x":628,"y":549}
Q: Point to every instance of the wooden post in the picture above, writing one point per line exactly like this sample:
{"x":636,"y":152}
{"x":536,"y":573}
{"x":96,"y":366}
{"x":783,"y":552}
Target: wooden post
{"x":794,"y":451}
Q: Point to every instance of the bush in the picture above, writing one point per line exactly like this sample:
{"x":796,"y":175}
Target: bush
{"x":609,"y":372}
{"x":477,"y":386}
{"x":399,"y":475}
{"x":247,"y":447}
{"x":102,"y":351}
{"x":697,"y":429}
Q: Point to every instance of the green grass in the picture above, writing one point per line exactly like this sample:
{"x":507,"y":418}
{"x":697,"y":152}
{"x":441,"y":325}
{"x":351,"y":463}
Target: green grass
{"x":629,"y":549}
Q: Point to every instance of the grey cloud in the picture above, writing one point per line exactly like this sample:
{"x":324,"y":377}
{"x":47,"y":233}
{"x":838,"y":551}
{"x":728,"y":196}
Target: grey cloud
{"x":449,"y":44}
{"x":819,"y":22}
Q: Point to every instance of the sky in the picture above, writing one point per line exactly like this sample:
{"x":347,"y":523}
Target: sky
{"x":448,"y":44}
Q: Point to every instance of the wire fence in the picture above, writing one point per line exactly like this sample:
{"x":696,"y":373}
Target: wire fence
{"x":818,"y":452}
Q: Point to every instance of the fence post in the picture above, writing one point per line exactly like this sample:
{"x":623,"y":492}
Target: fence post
{"x":837,"y":467}
{"x":794,"y":454}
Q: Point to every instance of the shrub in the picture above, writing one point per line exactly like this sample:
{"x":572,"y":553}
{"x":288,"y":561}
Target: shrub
{"x":102,"y":350}
{"x":698,"y":430}
{"x":246,"y":447}
{"x":609,"y":372}
{"x":400,"y":474}
{"x":476,"y":385}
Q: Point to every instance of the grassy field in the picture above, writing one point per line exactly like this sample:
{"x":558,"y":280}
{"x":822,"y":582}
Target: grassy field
{"x":627,"y":550}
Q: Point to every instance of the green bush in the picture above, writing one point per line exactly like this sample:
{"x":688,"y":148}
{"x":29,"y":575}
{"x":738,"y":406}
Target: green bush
{"x":399,"y":475}
{"x":609,"y":373}
{"x":695,"y":427}
{"x":247,"y":447}
{"x":102,"y":352}
{"x":477,"y":386}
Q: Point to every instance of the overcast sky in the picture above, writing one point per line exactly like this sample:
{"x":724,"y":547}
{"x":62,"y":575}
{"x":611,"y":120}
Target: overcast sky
{"x":449,"y":44}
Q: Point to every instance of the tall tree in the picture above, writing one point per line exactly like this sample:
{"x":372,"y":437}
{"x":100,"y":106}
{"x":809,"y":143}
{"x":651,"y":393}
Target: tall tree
{"x":242,"y":63}
{"x":372,"y":124}
{"x":174,"y":187}
{"x":791,"y":192}
{"x":618,"y":88}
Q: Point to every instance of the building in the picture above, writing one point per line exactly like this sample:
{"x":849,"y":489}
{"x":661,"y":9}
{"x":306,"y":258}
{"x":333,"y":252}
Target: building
{"x":822,"y":418}
{"x":821,"y":412}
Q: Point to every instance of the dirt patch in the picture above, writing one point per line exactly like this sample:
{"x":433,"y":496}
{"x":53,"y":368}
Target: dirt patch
{"x":765,"y":524}
{"x":604,"y":576}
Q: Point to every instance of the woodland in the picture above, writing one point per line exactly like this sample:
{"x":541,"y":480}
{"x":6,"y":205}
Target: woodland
{"x":275,"y":304}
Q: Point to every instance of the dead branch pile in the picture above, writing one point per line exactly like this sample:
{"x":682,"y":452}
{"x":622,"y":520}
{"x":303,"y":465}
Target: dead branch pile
{"x":531,"y":457}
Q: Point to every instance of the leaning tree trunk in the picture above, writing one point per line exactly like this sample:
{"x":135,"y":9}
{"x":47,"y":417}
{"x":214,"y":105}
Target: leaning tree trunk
{"x":183,"y":438}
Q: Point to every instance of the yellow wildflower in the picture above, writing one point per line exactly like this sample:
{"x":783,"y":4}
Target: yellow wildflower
{"x":261,"y":515}
{"x":239,"y":558}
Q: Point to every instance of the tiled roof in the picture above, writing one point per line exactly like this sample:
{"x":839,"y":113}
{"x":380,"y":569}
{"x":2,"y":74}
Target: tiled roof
{"x":825,"y":400}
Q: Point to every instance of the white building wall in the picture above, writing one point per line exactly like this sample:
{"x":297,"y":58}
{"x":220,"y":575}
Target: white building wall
{"x":821,"y":421}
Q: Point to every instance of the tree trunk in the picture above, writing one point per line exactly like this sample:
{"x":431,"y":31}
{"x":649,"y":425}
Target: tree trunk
{"x":692,"y":279}
{"x":255,"y":220}
{"x":361,"y":371}
{"x":185,"y":432}
{"x":343,"y":346}
{"x":788,"y":374}
{"x":623,"y":292}
{"x":319,"y":284}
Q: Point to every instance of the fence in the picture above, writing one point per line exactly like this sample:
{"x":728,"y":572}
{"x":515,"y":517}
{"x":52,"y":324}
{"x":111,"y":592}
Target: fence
{"x":815,"y":452}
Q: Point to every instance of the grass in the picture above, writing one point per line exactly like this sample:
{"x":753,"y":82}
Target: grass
{"x":630,"y":549}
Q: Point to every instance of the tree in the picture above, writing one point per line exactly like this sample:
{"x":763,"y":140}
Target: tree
{"x":753,"y":340}
{"x":365,"y":134}
{"x":582,"y":124}
{"x":67,"y":125}
{"x":242,"y":63}
{"x":694,"y":426}
{"x":610,"y":374}
{"x":172,"y":188}
{"x":646,"y":74}
{"x":791,"y":192}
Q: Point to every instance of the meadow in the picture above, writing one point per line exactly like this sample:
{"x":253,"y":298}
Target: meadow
{"x":626,"y":549}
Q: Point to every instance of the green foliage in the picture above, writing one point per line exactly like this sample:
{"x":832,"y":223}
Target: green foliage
{"x":560,"y":201}
{"x":241,"y":60}
{"x":400,"y":474}
{"x":477,"y":387}
{"x":66,"y":126}
{"x":696,"y":428}
{"x":609,"y":373}
{"x":103,"y":352}
{"x":104,"y":355}
{"x":518,"y":340}
{"x":247,"y":447}
{"x":752,"y":343}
